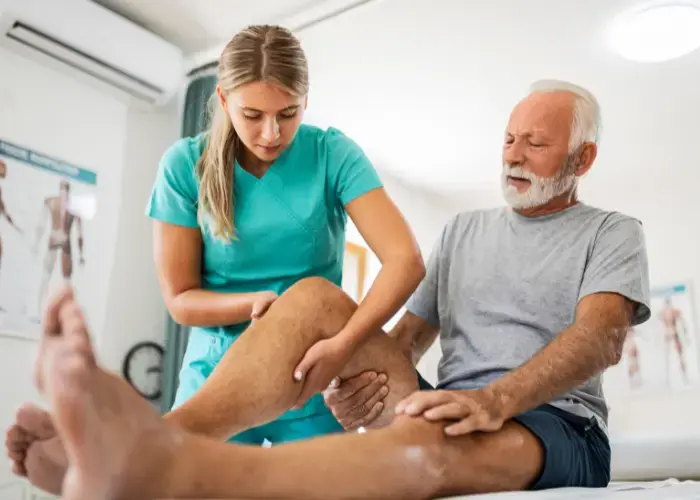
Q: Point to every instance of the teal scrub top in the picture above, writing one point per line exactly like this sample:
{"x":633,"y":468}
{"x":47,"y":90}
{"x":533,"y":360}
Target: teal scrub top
{"x":290,"y":223}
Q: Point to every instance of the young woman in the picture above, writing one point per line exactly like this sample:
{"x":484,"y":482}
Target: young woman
{"x":259,"y":202}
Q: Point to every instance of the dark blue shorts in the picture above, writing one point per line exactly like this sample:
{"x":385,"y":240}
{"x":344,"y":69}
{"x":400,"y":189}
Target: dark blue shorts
{"x":576,"y":450}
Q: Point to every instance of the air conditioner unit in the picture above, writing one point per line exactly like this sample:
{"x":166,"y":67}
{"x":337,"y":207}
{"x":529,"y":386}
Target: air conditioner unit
{"x":95,"y":45}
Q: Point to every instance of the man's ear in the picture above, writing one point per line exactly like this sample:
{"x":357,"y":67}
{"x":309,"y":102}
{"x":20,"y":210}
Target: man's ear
{"x":586,"y":157}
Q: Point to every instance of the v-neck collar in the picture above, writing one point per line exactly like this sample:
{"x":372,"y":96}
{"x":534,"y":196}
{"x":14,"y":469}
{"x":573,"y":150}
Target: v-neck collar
{"x":273,"y":169}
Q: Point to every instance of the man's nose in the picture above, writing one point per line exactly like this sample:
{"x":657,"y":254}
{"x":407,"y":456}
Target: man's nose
{"x":514,"y":154}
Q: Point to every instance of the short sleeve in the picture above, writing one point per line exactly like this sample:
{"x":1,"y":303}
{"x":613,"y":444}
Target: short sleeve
{"x":175,"y":192}
{"x":350,"y":172}
{"x":619,"y":264}
{"x":424,"y":301}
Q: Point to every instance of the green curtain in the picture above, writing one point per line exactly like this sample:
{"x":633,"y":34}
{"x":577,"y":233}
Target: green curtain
{"x":199,"y":91}
{"x":194,"y":121}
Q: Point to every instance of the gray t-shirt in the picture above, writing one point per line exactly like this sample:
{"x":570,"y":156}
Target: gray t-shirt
{"x":501,"y":286}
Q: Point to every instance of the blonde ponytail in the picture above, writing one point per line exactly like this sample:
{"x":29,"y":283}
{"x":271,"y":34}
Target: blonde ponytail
{"x":215,"y":171}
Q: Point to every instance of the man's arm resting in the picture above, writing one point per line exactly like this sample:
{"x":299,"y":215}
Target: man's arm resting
{"x":414,"y":336}
{"x":590,"y":345}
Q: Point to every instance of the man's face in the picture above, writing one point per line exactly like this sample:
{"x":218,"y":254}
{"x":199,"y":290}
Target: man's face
{"x":3,"y":169}
{"x":537,"y":166}
{"x":64,"y":190}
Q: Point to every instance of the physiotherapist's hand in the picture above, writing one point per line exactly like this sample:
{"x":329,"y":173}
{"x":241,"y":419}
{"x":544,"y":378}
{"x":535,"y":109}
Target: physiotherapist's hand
{"x":469,"y":411}
{"x":322,"y":362}
{"x":261,"y":303}
{"x":357,"y":401}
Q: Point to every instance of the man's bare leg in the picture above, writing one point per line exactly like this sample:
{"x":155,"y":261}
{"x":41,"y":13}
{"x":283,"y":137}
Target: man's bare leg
{"x":253,"y":383}
{"x":118,"y":447}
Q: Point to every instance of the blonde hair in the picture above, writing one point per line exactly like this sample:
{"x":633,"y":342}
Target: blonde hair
{"x":258,"y":53}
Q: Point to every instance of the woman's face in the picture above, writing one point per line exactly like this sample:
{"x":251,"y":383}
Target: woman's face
{"x":265,"y":117}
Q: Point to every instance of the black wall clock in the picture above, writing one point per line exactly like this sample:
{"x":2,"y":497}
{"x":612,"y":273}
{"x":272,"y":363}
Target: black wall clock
{"x":143,"y":368}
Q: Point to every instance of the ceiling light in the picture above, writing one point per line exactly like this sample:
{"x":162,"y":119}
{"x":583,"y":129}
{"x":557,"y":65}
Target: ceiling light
{"x":656,"y":33}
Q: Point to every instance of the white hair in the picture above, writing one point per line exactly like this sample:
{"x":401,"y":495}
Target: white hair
{"x":587,"y":123}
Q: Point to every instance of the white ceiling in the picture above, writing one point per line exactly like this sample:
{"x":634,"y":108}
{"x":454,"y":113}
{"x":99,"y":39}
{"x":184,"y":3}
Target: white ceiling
{"x":196,"y":25}
{"x":426,"y":86}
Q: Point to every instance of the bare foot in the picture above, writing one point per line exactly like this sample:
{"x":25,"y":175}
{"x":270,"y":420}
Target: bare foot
{"x":46,"y":465}
{"x":35,"y":450}
{"x":17,"y":442}
{"x":116,"y":444}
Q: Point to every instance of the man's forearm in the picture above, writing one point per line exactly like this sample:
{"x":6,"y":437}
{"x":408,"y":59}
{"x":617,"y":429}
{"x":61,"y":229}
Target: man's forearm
{"x":206,"y":308}
{"x":583,"y":350}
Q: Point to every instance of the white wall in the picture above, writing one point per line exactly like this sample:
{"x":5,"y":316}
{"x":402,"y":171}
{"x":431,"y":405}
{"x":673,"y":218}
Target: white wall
{"x":135,"y":309}
{"x":56,"y":115}
{"x":668,"y":208}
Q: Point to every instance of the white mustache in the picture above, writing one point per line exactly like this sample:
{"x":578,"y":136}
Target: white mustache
{"x":519,"y":173}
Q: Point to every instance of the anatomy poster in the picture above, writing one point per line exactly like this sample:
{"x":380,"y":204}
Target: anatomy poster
{"x":45,"y":210}
{"x":662,"y":354}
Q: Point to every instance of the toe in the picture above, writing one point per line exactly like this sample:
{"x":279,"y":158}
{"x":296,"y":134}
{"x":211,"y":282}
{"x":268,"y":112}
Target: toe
{"x":16,"y":438}
{"x":51,"y":314}
{"x":35,"y":420}
{"x":17,"y":451}
{"x":75,"y":329}
{"x":18,"y":468}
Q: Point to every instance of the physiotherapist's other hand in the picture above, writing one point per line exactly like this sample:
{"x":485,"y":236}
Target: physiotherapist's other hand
{"x":357,"y":401}
{"x":475,"y":410}
{"x":261,"y":303}
{"x":322,"y":362}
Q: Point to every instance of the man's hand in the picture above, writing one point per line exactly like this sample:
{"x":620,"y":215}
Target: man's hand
{"x":261,"y":304}
{"x":357,"y":401}
{"x":475,"y":410}
{"x":322,"y":362}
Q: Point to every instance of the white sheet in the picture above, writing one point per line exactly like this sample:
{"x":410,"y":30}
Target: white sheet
{"x":670,"y":489}
{"x":638,"y":458}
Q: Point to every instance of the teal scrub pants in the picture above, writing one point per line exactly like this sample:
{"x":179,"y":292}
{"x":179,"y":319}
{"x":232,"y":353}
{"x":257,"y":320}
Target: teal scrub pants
{"x":205,"y":350}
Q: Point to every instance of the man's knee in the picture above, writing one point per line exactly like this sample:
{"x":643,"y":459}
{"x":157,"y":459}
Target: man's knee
{"x":424,"y":449}
{"x":322,"y":294}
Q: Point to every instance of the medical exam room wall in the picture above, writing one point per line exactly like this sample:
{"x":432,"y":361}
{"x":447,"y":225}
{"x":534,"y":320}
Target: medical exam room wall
{"x":56,"y":115}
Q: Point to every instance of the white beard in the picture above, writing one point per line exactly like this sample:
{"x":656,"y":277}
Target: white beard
{"x":542,"y":189}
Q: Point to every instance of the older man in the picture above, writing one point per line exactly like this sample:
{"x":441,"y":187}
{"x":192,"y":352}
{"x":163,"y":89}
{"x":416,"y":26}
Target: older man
{"x":532,"y":303}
